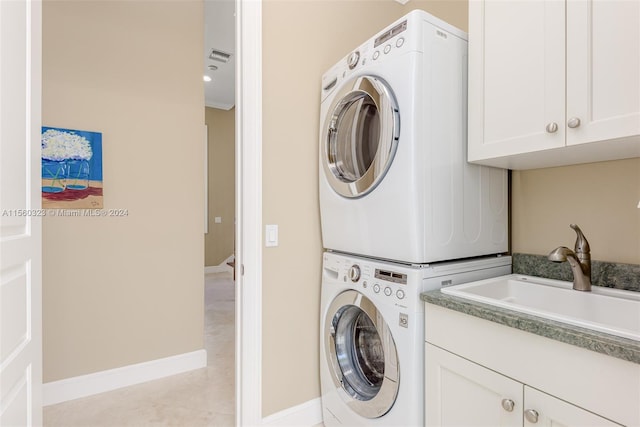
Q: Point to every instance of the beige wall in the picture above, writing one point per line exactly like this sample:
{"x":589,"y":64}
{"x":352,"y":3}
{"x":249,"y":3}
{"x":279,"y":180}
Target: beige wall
{"x":602,"y":198}
{"x":218,"y":242}
{"x":119,"y":291}
{"x":301,"y":40}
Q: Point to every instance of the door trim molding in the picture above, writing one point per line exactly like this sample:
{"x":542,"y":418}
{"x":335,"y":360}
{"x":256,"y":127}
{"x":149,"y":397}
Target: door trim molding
{"x":248,"y":212}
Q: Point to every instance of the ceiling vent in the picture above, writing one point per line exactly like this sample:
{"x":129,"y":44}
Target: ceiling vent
{"x":220,"y":56}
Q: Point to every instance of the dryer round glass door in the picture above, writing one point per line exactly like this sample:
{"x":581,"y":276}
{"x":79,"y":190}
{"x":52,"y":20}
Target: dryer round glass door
{"x":362,"y":355}
{"x":360,"y":136}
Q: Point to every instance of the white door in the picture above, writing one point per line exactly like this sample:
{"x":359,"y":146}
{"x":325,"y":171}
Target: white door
{"x":20,"y":221}
{"x":360,"y":136}
{"x":362,"y":354}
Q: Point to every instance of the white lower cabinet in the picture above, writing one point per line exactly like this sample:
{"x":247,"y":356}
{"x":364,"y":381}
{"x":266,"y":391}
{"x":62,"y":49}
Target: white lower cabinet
{"x":462,"y":393}
{"x":542,"y":409}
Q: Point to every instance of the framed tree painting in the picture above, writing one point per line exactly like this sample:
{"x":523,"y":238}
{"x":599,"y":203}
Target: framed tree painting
{"x":71,"y":169}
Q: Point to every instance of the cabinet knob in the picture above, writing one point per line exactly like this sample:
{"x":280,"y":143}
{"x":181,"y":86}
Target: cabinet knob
{"x":552,"y":127}
{"x":531,"y":415}
{"x":508,"y":404}
{"x":573,"y":122}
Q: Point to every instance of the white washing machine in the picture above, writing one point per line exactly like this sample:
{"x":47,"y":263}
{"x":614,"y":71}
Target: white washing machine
{"x":372,"y":335}
{"x":394,"y":181}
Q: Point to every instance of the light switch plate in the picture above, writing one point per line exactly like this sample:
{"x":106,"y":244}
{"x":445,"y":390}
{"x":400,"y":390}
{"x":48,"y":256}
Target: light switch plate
{"x":271,"y":235}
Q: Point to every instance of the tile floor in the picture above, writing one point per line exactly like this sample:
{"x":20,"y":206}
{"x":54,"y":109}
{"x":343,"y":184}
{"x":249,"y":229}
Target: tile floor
{"x":204,"y":397}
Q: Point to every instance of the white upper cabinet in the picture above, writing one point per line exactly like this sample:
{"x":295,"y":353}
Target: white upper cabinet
{"x":553,"y":83}
{"x":603,"y":69}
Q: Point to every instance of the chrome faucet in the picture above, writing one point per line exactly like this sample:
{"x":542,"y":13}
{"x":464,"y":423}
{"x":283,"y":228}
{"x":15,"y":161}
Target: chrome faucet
{"x":580,"y":260}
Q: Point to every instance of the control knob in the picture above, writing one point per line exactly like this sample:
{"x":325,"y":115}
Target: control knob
{"x":354,"y":273}
{"x":353,"y":59}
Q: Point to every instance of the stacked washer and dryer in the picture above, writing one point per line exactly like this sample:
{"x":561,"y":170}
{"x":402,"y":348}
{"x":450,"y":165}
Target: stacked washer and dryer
{"x":402,"y":212}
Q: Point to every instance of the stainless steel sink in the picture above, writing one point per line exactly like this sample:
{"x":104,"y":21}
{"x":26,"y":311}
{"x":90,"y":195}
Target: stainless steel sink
{"x":606,"y":310}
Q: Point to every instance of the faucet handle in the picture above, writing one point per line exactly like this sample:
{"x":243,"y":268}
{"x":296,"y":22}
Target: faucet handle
{"x":582,"y":245}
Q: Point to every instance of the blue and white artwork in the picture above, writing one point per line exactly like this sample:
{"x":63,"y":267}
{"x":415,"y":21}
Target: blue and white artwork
{"x":71,"y":168}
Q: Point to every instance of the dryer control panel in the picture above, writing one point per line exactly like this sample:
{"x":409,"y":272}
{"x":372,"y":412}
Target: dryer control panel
{"x":394,"y":31}
{"x":393,"y":41}
{"x":399,"y":38}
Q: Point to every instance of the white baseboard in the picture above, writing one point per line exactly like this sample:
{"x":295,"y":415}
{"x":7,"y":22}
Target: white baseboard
{"x":306,"y":414}
{"x":220,"y":268}
{"x":99,"y":382}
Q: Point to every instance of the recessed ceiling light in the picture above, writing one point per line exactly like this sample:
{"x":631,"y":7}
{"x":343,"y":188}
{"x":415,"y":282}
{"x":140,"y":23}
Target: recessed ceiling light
{"x":206,"y":78}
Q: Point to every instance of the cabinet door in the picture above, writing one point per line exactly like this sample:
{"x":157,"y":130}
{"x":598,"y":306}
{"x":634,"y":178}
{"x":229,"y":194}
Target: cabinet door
{"x":551,"y":411}
{"x":516,"y":77}
{"x":461,"y":393}
{"x":603,"y":70}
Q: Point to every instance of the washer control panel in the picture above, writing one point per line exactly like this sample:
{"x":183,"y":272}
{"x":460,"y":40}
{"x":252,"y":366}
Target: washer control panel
{"x":385,"y":283}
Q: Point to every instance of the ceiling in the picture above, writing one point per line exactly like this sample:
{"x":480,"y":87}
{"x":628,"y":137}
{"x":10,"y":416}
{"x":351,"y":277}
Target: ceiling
{"x":219,"y":35}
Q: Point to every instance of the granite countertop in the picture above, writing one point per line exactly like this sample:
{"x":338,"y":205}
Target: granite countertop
{"x":611,"y":345}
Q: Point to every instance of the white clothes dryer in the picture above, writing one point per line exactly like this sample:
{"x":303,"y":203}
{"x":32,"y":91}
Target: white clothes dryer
{"x":372,"y":335}
{"x":394,"y":181}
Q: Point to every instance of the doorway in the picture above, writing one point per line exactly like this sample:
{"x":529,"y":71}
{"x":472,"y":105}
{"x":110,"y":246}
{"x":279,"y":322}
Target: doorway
{"x":248,"y":212}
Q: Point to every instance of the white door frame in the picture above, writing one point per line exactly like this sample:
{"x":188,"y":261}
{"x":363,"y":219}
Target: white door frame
{"x":21,"y":222}
{"x":248,"y":212}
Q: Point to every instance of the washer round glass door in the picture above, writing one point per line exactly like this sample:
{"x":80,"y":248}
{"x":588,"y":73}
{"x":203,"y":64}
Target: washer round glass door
{"x":362,"y":355}
{"x":360,"y":136}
